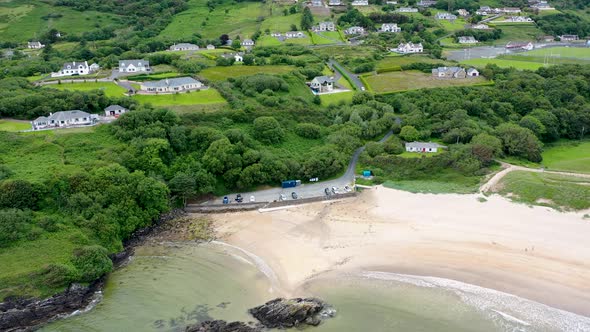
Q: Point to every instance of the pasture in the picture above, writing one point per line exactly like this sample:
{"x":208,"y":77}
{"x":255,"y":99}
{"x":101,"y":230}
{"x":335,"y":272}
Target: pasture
{"x":14,"y":125}
{"x":337,"y":98}
{"x":561,"y":52}
{"x":504,"y":63}
{"x":222,"y":73}
{"x":209,"y":96}
{"x":568,"y":156}
{"x":411,"y":79}
{"x":110,"y":89}
{"x":394,"y":60}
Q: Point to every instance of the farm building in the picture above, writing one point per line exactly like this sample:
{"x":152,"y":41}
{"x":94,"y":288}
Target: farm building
{"x":324,"y":26}
{"x":354,"y":31}
{"x":446,"y":16}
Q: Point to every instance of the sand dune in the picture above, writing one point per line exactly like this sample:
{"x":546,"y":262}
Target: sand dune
{"x":533,"y":252}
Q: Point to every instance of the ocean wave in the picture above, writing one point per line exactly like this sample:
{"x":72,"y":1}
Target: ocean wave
{"x":509,"y":311}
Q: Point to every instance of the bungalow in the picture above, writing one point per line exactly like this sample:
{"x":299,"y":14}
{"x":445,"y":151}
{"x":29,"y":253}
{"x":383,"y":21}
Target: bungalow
{"x":449,"y":72}
{"x":134,"y":66}
{"x":115,"y":111}
{"x":354,"y":31}
{"x":360,"y":3}
{"x":334,"y":3}
{"x":547,"y":38}
{"x":276,"y":34}
{"x":316,"y":3}
{"x":426,"y":3}
{"x":294,"y":34}
{"x":569,"y":37}
{"x":527,"y":46}
{"x":321,"y":84}
{"x":238,"y":57}
{"x":171,"y":85}
{"x":407,"y":10}
{"x":35,"y":45}
{"x":423,"y":147}
{"x":510,"y":10}
{"x":73,"y":68}
{"x":467,"y":40}
{"x":479,"y":26}
{"x":519,"y":19}
{"x":390,"y":27}
{"x":463,"y":12}
{"x":248,"y":43}
{"x":324,"y":26}
{"x":408,"y":48}
{"x":446,"y":16}
{"x":184,"y":47}
{"x":210,"y":47}
{"x":391,"y":2}
{"x":542,"y":6}
{"x":94,"y":67}
{"x":472,"y":72}
{"x":63,"y":119}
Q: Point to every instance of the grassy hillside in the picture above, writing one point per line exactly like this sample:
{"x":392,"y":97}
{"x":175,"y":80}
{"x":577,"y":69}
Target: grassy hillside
{"x":407,"y":80}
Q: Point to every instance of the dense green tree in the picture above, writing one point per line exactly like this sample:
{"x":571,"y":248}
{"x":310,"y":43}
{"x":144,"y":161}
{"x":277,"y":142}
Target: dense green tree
{"x":14,"y":225}
{"x":409,"y":134}
{"x":184,"y":186}
{"x":308,"y":130}
{"x":92,"y":262}
{"x":18,"y":194}
{"x":519,"y":141}
{"x":486,"y":147}
{"x":306,"y":19}
{"x":268,"y":130}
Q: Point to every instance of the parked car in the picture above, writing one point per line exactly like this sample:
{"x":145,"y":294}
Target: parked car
{"x":347,"y":189}
{"x":225,"y":200}
{"x":327,"y":191}
{"x":252,"y":199}
{"x":239,"y":198}
{"x":294,"y":195}
{"x":282,"y":197}
{"x":334,"y":190}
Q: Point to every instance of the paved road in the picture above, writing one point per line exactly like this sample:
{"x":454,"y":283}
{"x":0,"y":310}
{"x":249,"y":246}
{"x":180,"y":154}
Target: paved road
{"x":355,"y":79}
{"x":305,"y":190}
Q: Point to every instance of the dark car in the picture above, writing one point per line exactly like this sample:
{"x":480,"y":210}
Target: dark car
{"x":294,"y":195}
{"x":327,"y":191}
{"x":239,"y":198}
{"x":225,"y":200}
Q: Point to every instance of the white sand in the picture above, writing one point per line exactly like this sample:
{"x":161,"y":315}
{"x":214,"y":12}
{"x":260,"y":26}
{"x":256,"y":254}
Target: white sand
{"x":533,"y":252}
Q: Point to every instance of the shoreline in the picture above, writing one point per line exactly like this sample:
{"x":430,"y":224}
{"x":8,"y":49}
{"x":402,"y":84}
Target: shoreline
{"x":532,"y":252}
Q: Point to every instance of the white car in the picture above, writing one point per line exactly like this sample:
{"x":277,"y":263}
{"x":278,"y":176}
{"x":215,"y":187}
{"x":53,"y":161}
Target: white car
{"x":282,"y":197}
{"x":252,"y":199}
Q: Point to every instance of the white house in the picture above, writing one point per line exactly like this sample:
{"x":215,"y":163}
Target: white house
{"x":94,"y":67}
{"x":171,"y":85}
{"x":360,"y":3}
{"x":354,"y":31}
{"x":238,"y":57}
{"x":134,"y":66}
{"x":479,"y":27}
{"x":115,"y":111}
{"x":542,"y":6}
{"x":407,"y":10}
{"x":294,"y":34}
{"x":519,"y":19}
{"x":527,"y":46}
{"x":408,"y":48}
{"x":390,"y":27}
{"x":391,"y":2}
{"x":63,"y":119}
{"x":35,"y":45}
{"x":73,"y":68}
{"x":184,"y":47}
{"x":569,"y":37}
{"x":248,"y":43}
{"x":463,"y":12}
{"x":449,"y":72}
{"x":446,"y":16}
{"x":426,"y":3}
{"x":334,"y":3}
{"x":423,"y":147}
{"x":472,"y":72}
{"x":510,"y":10}
{"x":316,"y":3}
{"x":210,"y":47}
{"x":324,"y":26}
{"x":322,"y":84}
{"x":467,"y":40}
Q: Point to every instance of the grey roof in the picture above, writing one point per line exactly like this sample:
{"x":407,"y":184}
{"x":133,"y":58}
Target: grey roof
{"x":115,"y":108}
{"x":184,"y":45}
{"x":35,"y":43}
{"x":135,"y":63}
{"x":247,"y":41}
{"x":445,"y":69}
{"x":171,"y":82}
{"x":64,"y":116}
{"x":424,"y":145}
{"x":323,"y":79}
{"x":74,"y":64}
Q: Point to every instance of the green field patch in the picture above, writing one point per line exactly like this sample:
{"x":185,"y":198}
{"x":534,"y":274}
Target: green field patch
{"x":222,"y":73}
{"x":411,"y":79}
{"x":568,"y":156}
{"x":521,"y":32}
{"x":557,"y":191}
{"x":566,"y":52}
{"x":280,"y":23}
{"x":110,"y":89}
{"x":336,"y":98}
{"x":13,"y":125}
{"x":209,"y":96}
{"x":391,"y":61}
{"x":504,"y":63}
{"x":445,"y":182}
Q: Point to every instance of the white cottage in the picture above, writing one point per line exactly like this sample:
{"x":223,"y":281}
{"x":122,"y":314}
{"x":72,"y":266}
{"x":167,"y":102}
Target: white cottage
{"x":321,"y":84}
{"x":115,"y":111}
{"x":324,"y":26}
{"x":134,"y":66}
{"x":423,"y":147}
{"x":73,"y":68}
{"x":184,"y":47}
{"x":354,"y":31}
{"x":171,"y":85}
{"x":63,"y":119}
{"x":408,"y":48}
{"x":390,"y":27}
{"x":35,"y":45}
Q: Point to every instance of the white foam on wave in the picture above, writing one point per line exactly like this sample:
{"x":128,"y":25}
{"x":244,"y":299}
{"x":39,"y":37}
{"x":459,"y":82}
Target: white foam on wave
{"x":530,"y":315}
{"x":257,"y":261}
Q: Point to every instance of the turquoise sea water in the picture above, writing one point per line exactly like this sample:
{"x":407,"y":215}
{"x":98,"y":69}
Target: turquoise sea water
{"x":166,"y":287}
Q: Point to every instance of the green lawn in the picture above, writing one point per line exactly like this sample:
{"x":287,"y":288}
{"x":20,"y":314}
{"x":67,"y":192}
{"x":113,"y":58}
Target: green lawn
{"x":410,"y":80}
{"x":568,"y":156}
{"x":504,"y":63}
{"x":521,"y":32}
{"x":336,"y":98}
{"x":565,"y":52}
{"x":268,"y":41}
{"x":557,"y":191}
{"x":223,"y":73}
{"x":209,"y":96}
{"x":110,"y":89}
{"x":11,"y":125}
{"x":445,"y":182}
{"x":401,"y":60}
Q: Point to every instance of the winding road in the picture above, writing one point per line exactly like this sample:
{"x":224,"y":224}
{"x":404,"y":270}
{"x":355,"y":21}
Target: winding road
{"x":355,"y":79}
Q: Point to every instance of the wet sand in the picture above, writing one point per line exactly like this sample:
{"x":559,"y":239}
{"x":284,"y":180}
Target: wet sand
{"x":533,"y":252}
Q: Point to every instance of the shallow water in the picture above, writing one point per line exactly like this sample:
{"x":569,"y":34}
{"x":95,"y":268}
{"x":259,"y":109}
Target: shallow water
{"x":166,"y":287}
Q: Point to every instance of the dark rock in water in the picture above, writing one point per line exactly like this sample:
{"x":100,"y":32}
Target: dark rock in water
{"x":286,"y":313}
{"x":221,"y":326}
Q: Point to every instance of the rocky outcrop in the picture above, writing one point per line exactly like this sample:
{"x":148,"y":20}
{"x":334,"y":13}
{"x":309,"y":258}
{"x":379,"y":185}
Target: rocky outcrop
{"x":221,"y":326}
{"x":286,"y":313}
{"x":25,"y":314}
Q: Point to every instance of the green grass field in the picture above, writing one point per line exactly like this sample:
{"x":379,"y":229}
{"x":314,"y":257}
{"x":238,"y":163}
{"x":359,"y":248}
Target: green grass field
{"x":223,"y":73}
{"x":568,"y":156}
{"x":399,"y":60}
{"x":209,"y":96}
{"x":517,"y":33}
{"x":110,"y":89}
{"x":410,"y":80}
{"x":23,"y":20}
{"x":336,"y":98}
{"x":565,"y":52}
{"x":13,"y":126}
{"x":504,"y":63}
{"x":557,"y":191}
{"x":445,"y":182}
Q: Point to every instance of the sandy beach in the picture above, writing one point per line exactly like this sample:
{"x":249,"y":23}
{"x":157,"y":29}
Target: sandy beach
{"x":533,"y":252}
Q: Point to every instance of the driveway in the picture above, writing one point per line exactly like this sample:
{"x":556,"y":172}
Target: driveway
{"x":355,"y":79}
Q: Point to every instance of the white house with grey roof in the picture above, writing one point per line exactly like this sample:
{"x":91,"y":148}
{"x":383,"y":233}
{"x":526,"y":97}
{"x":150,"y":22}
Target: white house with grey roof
{"x":248,"y":43}
{"x":115,"y":111}
{"x":35,"y":45}
{"x":446,"y":16}
{"x":184,"y":47}
{"x":134,"y":66}
{"x":64,"y":119}
{"x":390,"y":27}
{"x":324,"y":26}
{"x":423,"y":147}
{"x":356,"y":30}
{"x":73,"y":68}
{"x":171,"y":85}
{"x":321,"y":84}
{"x":467,"y":40}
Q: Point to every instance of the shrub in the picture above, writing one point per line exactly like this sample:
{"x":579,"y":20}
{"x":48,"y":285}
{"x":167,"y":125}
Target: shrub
{"x":14,"y":225}
{"x":374,"y":149}
{"x":18,"y":194}
{"x":409,"y":134}
{"x":268,"y":130}
{"x":57,"y":275}
{"x":393,"y":146}
{"x":308,"y":130}
{"x":92,"y":262}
